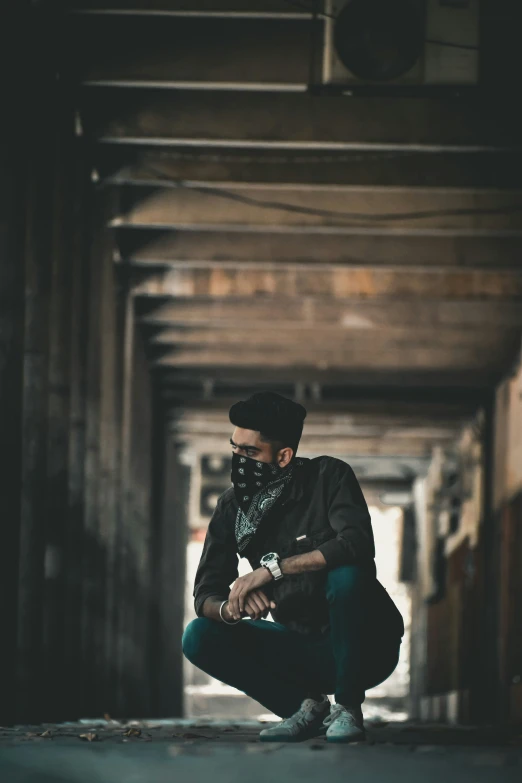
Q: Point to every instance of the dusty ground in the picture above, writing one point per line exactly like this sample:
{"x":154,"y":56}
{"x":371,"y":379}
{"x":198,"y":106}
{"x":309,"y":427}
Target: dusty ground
{"x":225,"y":752}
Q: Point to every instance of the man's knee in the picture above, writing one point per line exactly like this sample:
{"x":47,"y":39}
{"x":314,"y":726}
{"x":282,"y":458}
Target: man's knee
{"x":345,"y":582}
{"x":197,"y":637}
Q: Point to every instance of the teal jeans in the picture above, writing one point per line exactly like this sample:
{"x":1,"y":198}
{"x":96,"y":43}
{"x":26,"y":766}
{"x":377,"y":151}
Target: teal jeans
{"x":279,"y":668}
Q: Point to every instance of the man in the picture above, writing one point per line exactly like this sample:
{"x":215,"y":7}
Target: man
{"x":305,"y":528}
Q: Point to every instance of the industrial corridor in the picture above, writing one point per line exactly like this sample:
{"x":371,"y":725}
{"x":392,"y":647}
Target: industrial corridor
{"x":204,"y":199}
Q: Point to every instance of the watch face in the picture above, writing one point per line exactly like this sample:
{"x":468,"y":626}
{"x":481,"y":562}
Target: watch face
{"x":269,"y":558}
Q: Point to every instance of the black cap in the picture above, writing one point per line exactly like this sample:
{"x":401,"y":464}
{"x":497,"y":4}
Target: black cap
{"x":274,"y":416}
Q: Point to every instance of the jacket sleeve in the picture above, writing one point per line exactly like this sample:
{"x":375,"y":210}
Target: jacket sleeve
{"x":348,"y":515}
{"x":217,"y":567}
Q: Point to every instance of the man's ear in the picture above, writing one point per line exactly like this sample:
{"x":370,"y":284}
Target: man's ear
{"x":284,"y":456}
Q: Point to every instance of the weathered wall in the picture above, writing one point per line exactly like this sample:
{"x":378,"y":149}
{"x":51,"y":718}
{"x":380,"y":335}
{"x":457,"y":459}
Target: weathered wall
{"x":507,"y":496}
{"x":448,"y":590}
{"x":82,"y":432}
{"x":467,"y":596}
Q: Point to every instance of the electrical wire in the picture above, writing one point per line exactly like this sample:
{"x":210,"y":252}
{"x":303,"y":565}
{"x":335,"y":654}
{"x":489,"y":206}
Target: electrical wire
{"x":329,"y":213}
{"x":452,"y":45}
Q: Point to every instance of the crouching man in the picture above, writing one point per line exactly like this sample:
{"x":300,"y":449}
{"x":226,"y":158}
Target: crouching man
{"x":305,"y":528}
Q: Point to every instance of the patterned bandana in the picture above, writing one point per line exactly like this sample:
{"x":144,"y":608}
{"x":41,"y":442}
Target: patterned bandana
{"x":257,"y":486}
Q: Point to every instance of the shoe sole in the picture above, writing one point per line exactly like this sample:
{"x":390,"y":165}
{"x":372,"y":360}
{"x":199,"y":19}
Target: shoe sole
{"x":354,"y":738}
{"x":320,"y":732}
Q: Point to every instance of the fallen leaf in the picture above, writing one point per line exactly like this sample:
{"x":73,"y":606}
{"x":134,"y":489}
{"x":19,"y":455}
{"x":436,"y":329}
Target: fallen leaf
{"x":91,"y":736}
{"x":132,"y":732}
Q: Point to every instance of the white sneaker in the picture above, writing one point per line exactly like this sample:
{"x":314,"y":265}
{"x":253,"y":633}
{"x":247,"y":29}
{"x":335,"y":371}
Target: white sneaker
{"x":344,"y":725}
{"x":307,"y":722}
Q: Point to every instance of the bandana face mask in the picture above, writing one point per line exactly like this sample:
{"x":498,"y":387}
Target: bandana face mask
{"x":250,"y":476}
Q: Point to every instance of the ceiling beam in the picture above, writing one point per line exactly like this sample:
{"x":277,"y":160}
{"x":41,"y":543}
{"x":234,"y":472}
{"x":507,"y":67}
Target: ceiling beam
{"x":377,"y":447}
{"x":314,"y":339}
{"x":357,"y":357}
{"x":364,"y":210}
{"x":329,"y":425}
{"x":353,"y":315}
{"x":192,"y":52}
{"x":386,"y":390}
{"x":188,"y":7}
{"x":428,"y":412}
{"x":296,"y":120}
{"x":355,"y":413}
{"x":340,"y":284}
{"x":203,"y":249}
{"x":152,"y":165}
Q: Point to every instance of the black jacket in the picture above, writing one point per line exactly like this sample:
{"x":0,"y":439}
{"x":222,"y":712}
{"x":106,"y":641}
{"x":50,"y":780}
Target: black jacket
{"x":325,"y":504}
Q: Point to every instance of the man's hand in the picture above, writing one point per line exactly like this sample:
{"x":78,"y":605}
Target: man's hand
{"x":242,"y":589}
{"x":257,"y":605}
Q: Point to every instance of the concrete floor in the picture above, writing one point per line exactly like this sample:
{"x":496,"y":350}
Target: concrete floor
{"x":226,"y":752}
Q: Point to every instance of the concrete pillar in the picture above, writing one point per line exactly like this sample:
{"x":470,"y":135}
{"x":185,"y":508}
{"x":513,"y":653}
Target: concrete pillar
{"x":126,"y":359}
{"x":485,"y":690}
{"x":172,"y":565}
{"x":101,"y":474}
{"x":81,"y":197}
{"x":139,"y":528}
{"x":109,"y":454}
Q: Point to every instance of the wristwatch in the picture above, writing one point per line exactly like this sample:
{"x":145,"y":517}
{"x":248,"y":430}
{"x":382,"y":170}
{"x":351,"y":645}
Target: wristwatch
{"x":271,"y":562}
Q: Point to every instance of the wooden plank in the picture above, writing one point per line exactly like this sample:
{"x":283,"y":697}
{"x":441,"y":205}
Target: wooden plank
{"x":182,"y":51}
{"x":353,"y":315}
{"x":387,"y":389}
{"x":437,"y":408}
{"x":351,"y":418}
{"x":340,"y":447}
{"x":341,"y":211}
{"x":340,"y":284}
{"x":295,"y":120}
{"x":356,"y":357}
{"x":324,"y":423}
{"x":313,"y":338}
{"x":202,"y":248}
{"x":144,"y":165}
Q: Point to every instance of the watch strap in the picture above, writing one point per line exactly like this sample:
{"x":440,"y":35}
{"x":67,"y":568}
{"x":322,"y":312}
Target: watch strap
{"x":275,"y":569}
